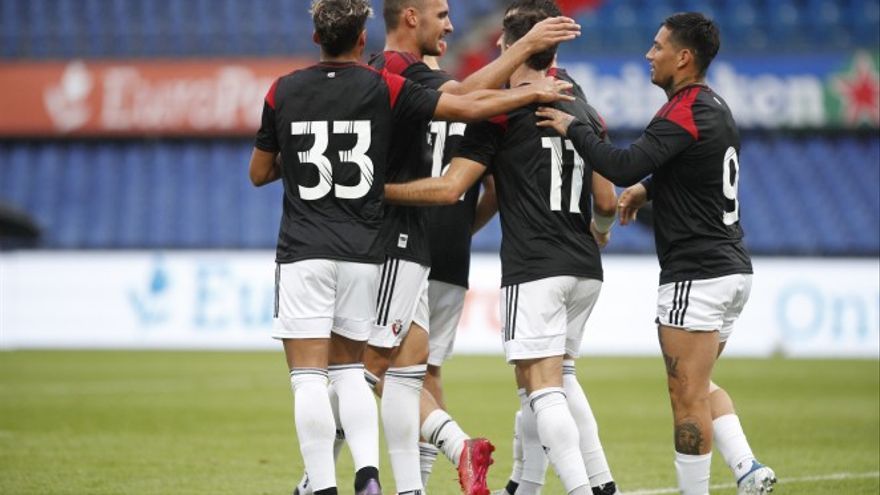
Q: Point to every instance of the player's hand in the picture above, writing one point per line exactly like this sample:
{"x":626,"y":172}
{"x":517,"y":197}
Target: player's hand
{"x":550,"y":32}
{"x":631,"y":199}
{"x":557,"y":119}
{"x":550,"y":90}
{"x":601,"y":239}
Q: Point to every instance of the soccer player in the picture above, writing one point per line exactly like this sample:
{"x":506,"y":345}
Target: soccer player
{"x":550,"y":260}
{"x":688,"y":162}
{"x":450,"y":229}
{"x":333,"y":156}
{"x":397,"y":354}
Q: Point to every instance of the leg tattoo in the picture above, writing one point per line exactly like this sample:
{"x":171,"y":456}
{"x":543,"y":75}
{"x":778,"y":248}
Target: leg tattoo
{"x":671,"y":365}
{"x":688,"y":438}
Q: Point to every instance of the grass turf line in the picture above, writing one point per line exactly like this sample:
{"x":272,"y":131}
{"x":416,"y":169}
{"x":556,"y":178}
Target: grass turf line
{"x":221,"y":423}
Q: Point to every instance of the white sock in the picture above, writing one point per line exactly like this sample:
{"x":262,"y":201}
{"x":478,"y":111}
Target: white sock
{"x":358,"y":415}
{"x":371,"y":379}
{"x":427,"y":456}
{"x":444,"y":433}
{"x":534,"y":459}
{"x":590,"y":445}
{"x":516,"y":473}
{"x":526,"y":487}
{"x":315,"y":427}
{"x":730,"y":440}
{"x":693,"y":473}
{"x":559,"y":436}
{"x":400,"y":418}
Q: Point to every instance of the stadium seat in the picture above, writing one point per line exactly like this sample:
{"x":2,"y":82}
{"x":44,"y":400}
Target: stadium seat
{"x":195,"y":194}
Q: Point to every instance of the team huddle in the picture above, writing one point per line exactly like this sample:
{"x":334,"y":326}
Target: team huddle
{"x":382,"y":166}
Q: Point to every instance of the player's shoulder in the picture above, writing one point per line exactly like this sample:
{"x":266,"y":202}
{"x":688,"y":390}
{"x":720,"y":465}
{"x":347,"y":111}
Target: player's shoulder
{"x":708,"y":99}
{"x":680,"y":108}
{"x":395,"y":61}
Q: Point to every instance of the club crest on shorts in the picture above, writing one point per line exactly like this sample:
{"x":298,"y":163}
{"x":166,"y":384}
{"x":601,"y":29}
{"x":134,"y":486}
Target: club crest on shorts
{"x":402,"y":240}
{"x":396,"y":327}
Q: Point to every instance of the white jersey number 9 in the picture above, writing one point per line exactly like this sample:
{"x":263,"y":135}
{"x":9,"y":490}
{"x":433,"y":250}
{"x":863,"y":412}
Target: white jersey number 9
{"x":730,"y":186}
{"x":316,"y":156}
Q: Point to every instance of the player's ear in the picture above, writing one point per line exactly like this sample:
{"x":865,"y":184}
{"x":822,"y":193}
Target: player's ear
{"x":362,"y":39}
{"x":411,"y":17}
{"x":315,"y":38}
{"x":685,"y":57}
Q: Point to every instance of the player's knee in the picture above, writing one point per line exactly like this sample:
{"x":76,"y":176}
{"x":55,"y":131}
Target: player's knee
{"x":685,"y":392}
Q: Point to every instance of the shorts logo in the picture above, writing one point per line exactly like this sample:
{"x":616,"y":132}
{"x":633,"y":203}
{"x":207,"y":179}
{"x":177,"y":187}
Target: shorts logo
{"x":396,"y":327}
{"x":402,"y":240}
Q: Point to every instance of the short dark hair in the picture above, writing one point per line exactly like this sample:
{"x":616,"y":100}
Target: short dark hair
{"x":339,"y":23}
{"x":391,"y":10}
{"x":696,"y":32}
{"x":520,"y":17}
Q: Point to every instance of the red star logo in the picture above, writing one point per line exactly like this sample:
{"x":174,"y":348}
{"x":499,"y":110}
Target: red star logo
{"x":859,"y":91}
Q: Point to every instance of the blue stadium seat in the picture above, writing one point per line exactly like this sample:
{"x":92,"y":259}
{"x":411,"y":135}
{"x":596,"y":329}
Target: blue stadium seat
{"x":183,"y":28}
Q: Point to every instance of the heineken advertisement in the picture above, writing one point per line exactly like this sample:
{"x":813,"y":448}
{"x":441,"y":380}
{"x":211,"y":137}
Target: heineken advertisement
{"x":767,"y":92}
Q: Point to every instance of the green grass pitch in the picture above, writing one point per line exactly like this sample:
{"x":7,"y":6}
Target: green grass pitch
{"x":221,"y":423}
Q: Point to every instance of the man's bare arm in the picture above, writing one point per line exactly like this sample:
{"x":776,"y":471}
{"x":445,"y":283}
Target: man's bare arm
{"x":542,"y":36}
{"x":264,"y":168}
{"x":443,"y":190}
{"x":486,"y":103}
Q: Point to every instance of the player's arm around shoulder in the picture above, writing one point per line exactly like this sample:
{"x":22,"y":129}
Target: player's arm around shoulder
{"x":543,"y":35}
{"x":443,"y":190}
{"x":481,"y":105}
{"x":265,"y":167}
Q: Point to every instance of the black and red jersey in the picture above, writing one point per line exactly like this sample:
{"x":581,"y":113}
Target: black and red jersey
{"x":450,"y":226}
{"x":544,"y":194}
{"x":333,"y":124}
{"x":405,"y":230}
{"x":692,"y":149}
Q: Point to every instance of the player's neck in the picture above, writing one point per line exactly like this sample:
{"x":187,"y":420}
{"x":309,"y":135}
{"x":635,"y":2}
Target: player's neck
{"x":525,"y":75}
{"x":684,"y":82}
{"x":402,"y":41}
{"x":352,"y":56}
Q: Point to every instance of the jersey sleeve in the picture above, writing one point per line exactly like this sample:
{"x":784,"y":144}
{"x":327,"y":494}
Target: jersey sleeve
{"x":414,"y":102}
{"x":481,"y":142}
{"x":267,"y":138}
{"x":660,"y":142}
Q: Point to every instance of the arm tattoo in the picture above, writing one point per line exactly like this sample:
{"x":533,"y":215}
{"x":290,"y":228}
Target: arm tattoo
{"x":688,"y":438}
{"x":671,"y":365}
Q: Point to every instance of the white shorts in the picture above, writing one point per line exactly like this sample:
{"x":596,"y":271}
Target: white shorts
{"x":704,"y":305}
{"x":443,"y":312}
{"x":546,"y":317}
{"x":402,"y":285}
{"x":316,"y":297}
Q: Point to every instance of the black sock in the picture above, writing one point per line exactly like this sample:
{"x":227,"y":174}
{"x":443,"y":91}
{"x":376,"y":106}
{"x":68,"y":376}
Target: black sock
{"x":327,"y":491}
{"x":607,"y":488}
{"x":511,"y":487}
{"x":363,"y":475}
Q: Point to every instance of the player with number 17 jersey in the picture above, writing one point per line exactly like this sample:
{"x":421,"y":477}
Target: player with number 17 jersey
{"x":405,"y":233}
{"x":543,"y":189}
{"x":334,"y":153}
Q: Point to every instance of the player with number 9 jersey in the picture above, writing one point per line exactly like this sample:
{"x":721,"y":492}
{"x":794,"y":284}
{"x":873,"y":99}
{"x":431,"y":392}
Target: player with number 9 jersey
{"x":691,"y":147}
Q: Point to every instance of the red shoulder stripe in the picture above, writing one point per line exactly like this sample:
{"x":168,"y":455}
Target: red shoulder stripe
{"x":604,"y":126}
{"x":395,"y":85}
{"x":680,"y":111}
{"x":270,"y":95}
{"x":501,"y":121}
{"x":397,"y":62}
